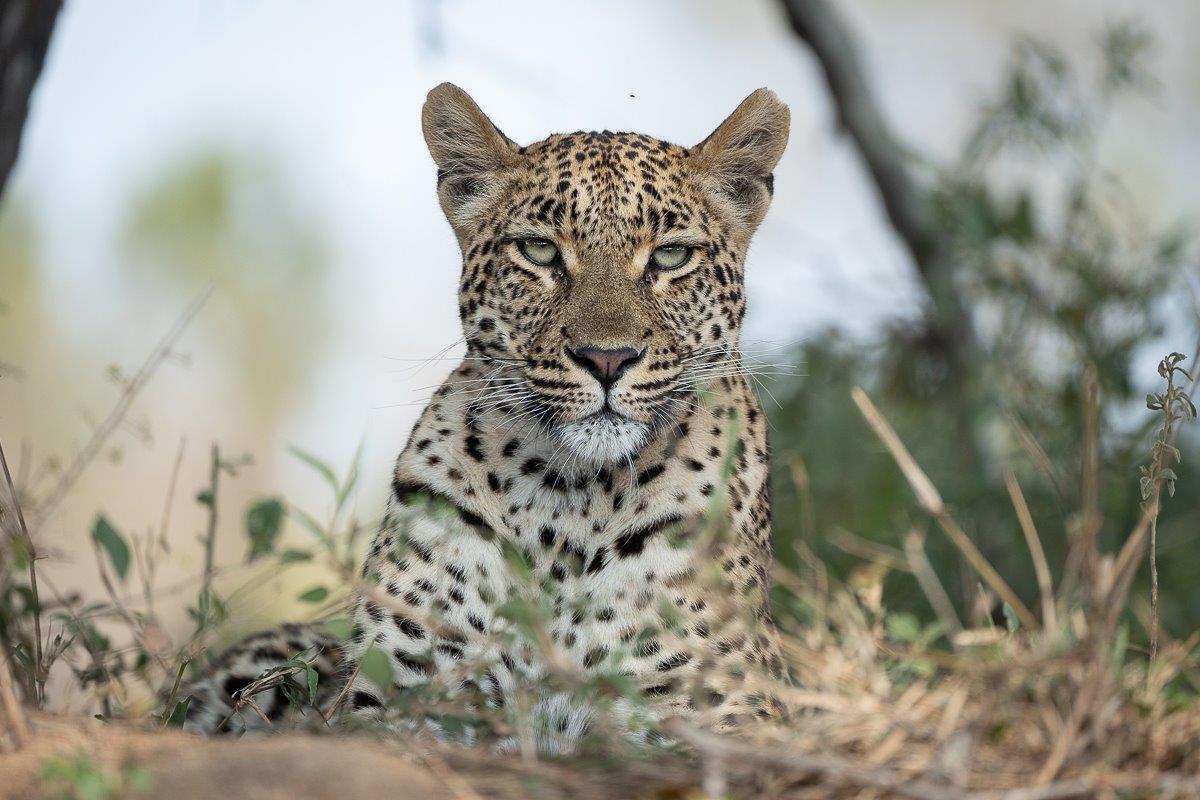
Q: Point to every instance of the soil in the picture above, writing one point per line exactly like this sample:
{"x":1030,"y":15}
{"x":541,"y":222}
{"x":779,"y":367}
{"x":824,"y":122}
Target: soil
{"x":182,"y":766}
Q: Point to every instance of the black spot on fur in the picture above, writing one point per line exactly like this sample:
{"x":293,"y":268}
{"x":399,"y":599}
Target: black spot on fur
{"x":633,"y":542}
{"x":364,"y":700}
{"x":471,"y":445}
{"x":649,"y":474}
{"x":409,"y":628}
{"x":235,"y":683}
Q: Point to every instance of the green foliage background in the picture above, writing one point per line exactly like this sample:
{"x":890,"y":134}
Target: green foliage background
{"x":1061,"y":279}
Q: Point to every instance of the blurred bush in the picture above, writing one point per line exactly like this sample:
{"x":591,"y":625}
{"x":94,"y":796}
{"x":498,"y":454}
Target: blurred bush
{"x":228,"y":220}
{"x":1067,"y":297}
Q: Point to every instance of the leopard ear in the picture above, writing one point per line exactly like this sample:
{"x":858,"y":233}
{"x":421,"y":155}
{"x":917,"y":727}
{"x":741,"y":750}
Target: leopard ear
{"x":470,"y":152}
{"x":740,"y":155}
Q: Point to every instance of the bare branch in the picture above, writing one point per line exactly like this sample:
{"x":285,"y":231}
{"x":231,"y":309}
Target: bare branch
{"x":831,"y":42}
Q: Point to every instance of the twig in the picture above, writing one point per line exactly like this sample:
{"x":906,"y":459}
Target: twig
{"x":1037,"y":454}
{"x":169,"y":706}
{"x":1155,"y":623}
{"x":1169,"y":785}
{"x":914,"y":550}
{"x":1089,"y":529}
{"x":889,"y":557}
{"x":39,"y":678}
{"x":165,"y":522}
{"x":104,"y":677}
{"x":929,"y":499}
{"x":1093,"y":682}
{"x":1121,"y":575}
{"x":135,"y":625}
{"x":341,"y":696}
{"x":111,"y":422}
{"x":1040,"y":567}
{"x":803,"y":484}
{"x":210,"y":537}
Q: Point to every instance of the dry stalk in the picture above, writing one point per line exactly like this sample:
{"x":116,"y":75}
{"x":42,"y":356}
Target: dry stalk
{"x":875,"y":552}
{"x":210,"y":536}
{"x":132,"y":389}
{"x":914,"y":550}
{"x":803,"y":484}
{"x":1040,"y":566}
{"x":1087,"y":551}
{"x":929,"y":499}
{"x":341,"y":696}
{"x":39,"y":677}
{"x":165,"y":522}
{"x":1037,"y":454}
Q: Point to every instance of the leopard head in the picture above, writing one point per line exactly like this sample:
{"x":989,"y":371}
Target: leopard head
{"x":602,"y":274}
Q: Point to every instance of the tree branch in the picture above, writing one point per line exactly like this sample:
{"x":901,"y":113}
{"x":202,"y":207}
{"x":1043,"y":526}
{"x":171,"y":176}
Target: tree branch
{"x":819,"y":27}
{"x":907,"y":204}
{"x":25,"y":29}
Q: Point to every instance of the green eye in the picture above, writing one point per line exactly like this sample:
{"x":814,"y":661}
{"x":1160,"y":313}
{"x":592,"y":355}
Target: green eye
{"x":671,"y":256}
{"x":540,"y":251}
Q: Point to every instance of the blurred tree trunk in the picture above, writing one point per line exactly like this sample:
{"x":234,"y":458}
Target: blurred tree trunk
{"x":25,"y":29}
{"x":907,"y":204}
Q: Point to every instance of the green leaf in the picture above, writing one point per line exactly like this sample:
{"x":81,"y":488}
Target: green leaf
{"x":294,"y":556}
{"x":313,"y":526}
{"x":351,"y":479}
{"x":318,"y":465}
{"x":179,"y":713}
{"x":138,"y":778}
{"x":262,"y":526}
{"x":903,"y":627}
{"x":106,"y":536}
{"x":312,"y":683}
{"x":20,"y":553}
{"x":314,"y":595}
{"x":339,"y":628}
{"x":374,"y":664}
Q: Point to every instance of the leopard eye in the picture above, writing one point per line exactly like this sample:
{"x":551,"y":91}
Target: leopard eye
{"x":671,"y":256}
{"x":540,"y":251}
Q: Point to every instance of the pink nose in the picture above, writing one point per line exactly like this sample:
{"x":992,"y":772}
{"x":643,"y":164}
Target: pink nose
{"x":605,"y":364}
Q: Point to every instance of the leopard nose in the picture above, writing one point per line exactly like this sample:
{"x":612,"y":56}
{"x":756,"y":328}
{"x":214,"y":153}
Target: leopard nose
{"x":605,"y":364}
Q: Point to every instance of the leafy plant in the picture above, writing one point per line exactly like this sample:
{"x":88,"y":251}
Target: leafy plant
{"x":81,"y":778}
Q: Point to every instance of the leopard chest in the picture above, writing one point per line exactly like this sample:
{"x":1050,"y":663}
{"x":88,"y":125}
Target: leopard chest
{"x":597,"y":559}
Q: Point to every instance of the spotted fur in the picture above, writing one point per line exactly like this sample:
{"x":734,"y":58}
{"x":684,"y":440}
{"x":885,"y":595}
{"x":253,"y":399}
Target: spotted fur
{"x":605,"y":492}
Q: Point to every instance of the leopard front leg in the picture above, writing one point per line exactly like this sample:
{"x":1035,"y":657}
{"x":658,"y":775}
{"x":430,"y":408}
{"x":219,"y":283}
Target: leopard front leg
{"x":430,"y":587}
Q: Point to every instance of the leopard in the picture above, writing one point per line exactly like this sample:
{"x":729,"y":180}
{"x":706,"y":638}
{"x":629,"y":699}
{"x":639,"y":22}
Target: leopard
{"x":599,"y":453}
